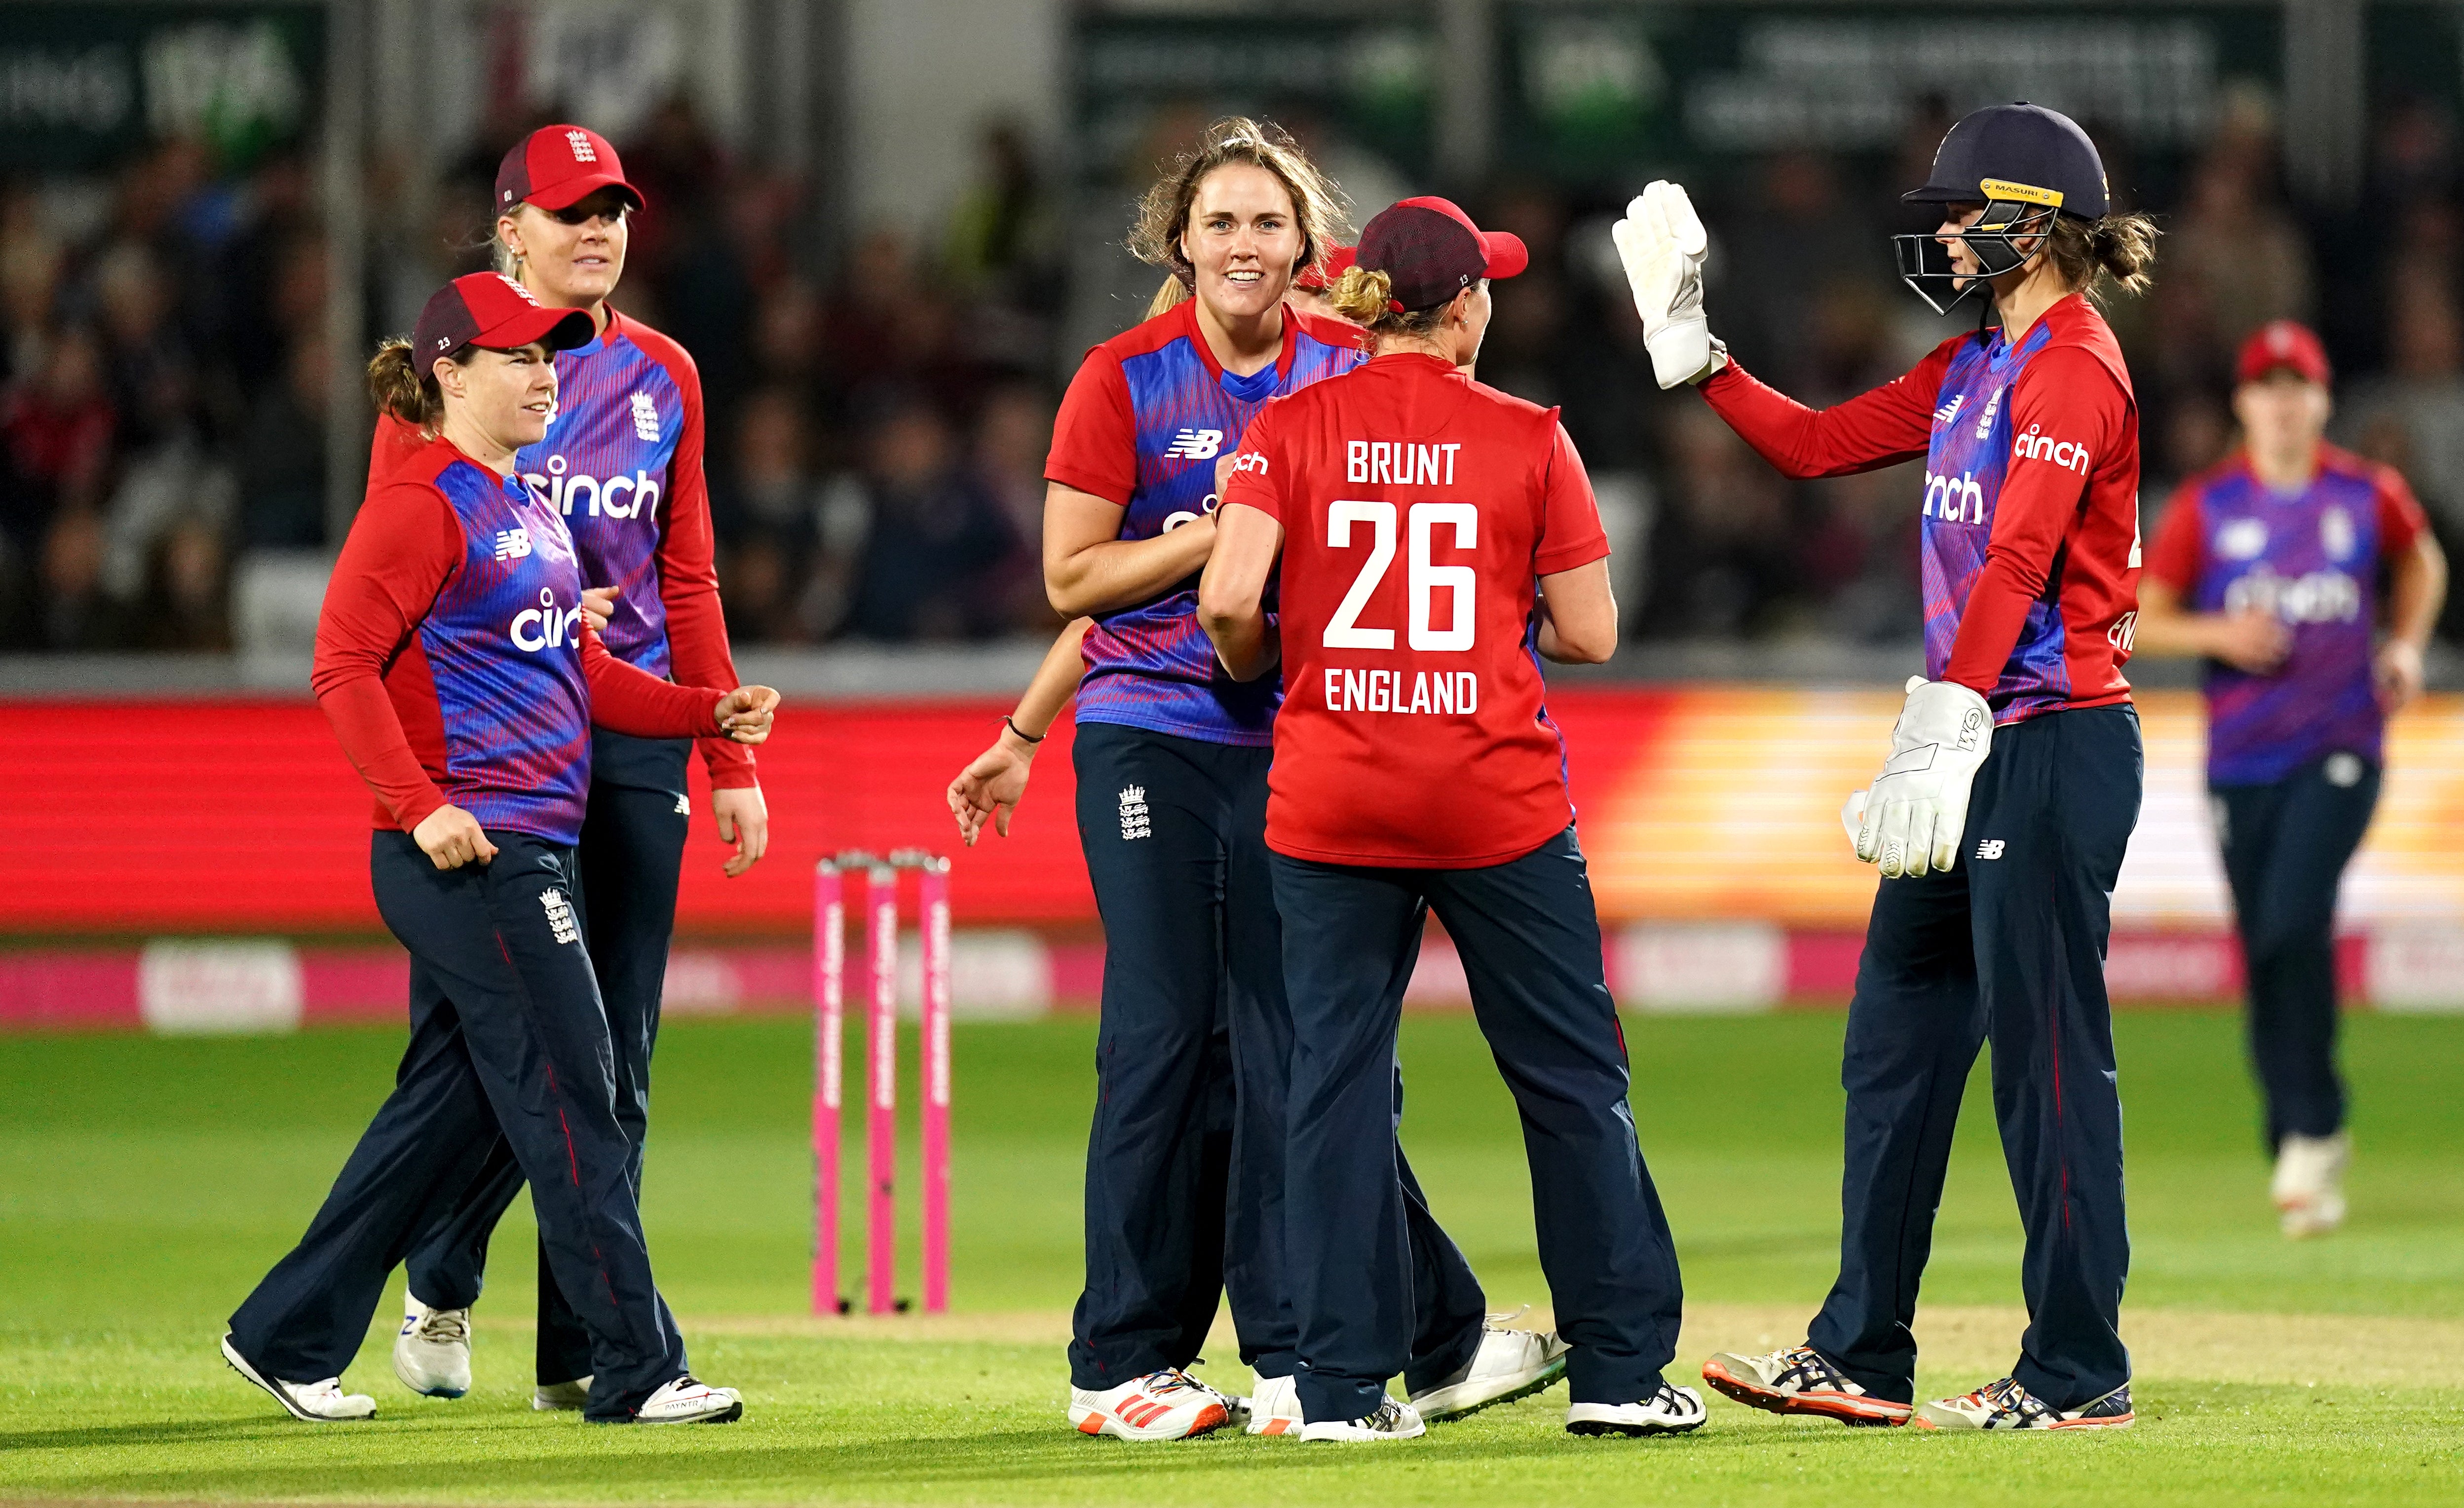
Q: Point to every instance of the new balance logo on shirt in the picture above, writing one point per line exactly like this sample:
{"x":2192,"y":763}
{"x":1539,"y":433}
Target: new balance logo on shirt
{"x":1135,"y":823}
{"x":1949,"y":413}
{"x":1990,"y":849}
{"x":1194,"y":444}
{"x":513,"y":544}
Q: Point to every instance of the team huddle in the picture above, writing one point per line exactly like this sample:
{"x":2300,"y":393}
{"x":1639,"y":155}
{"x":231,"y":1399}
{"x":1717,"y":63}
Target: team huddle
{"x":1308,"y":652}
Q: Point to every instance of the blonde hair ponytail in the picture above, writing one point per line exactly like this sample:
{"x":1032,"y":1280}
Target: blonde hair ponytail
{"x":2115,"y":251}
{"x":1366,"y":299}
{"x":1171,"y":296}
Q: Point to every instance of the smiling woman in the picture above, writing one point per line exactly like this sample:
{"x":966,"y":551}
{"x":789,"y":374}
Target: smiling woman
{"x":619,"y":464}
{"x":457,"y":671}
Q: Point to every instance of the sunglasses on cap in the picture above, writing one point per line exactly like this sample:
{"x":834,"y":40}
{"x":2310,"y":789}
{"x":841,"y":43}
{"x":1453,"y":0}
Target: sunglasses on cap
{"x":603,"y":205}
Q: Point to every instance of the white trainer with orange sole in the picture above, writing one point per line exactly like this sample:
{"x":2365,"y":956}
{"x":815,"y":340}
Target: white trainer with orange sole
{"x":1166,"y":1405}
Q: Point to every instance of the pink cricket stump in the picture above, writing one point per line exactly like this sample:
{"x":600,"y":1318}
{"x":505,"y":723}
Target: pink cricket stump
{"x":932,"y":913}
{"x":881,"y":1125}
{"x":829,"y":1015}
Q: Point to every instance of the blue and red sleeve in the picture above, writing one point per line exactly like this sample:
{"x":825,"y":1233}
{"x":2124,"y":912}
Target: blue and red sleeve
{"x":1095,"y":434}
{"x":626,"y":699}
{"x":405,"y":544}
{"x":2177,"y":556}
{"x":699,"y":653}
{"x":1891,"y":424}
{"x":2064,"y":392}
{"x":1570,"y":534}
{"x":2400,"y":520}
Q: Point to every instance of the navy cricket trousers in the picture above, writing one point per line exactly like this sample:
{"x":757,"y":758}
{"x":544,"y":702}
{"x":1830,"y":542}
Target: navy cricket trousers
{"x":512,"y":1046}
{"x":2285,"y":848}
{"x":1185,"y":1178}
{"x":631,"y":856}
{"x":2007,"y":945}
{"x":1529,"y":938}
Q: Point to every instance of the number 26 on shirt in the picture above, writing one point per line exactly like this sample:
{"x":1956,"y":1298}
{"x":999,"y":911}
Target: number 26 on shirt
{"x":1344,"y":631}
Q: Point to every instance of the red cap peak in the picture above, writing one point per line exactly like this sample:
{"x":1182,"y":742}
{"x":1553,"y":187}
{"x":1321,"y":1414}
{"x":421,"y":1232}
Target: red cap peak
{"x":558,"y":167}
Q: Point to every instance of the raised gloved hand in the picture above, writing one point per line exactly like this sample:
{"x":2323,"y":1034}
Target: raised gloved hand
{"x":1910,"y":821}
{"x":1662,"y":242}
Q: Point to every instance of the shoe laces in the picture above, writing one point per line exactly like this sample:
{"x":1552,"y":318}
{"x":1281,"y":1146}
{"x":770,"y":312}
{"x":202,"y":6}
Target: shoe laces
{"x":443,"y":1326}
{"x":1168,"y":1380}
{"x":1388,"y":1415}
{"x":2006,"y":1396}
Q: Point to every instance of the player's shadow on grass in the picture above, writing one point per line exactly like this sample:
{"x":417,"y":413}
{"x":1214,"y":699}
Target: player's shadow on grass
{"x":159,"y":1431}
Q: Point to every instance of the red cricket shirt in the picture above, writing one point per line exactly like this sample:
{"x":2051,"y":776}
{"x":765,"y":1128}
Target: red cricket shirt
{"x":1418,"y":508}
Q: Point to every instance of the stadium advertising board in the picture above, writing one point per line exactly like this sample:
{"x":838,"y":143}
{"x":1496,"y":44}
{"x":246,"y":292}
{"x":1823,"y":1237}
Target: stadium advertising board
{"x":83,"y":86}
{"x":1710,"y":815}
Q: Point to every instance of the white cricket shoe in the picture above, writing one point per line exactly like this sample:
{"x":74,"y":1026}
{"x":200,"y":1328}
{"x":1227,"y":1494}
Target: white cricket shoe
{"x":1275,"y":1406}
{"x":690,"y":1401}
{"x":1798,"y":1378}
{"x":1509,"y":1364}
{"x":433,"y":1353}
{"x":1392,"y":1421}
{"x":312,"y":1402}
{"x":1165,"y":1405}
{"x":2006,"y":1405}
{"x":2309,"y":1186}
{"x":1672,"y":1410}
{"x":552,"y":1397}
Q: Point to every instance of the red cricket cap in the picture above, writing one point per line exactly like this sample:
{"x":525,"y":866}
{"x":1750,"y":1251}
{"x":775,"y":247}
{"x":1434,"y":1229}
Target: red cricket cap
{"x":556,"y":166}
{"x":1430,"y":251}
{"x":491,"y":310}
{"x":2282,"y":345}
{"x":1319,"y":276}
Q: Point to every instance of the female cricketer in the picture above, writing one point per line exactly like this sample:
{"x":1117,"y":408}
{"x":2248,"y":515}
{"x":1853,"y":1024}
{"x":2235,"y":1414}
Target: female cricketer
{"x":453,"y":662}
{"x":2267,"y":566}
{"x":1435,"y":536}
{"x":1184,"y":1180}
{"x":2017,"y":752}
{"x":621,"y":465}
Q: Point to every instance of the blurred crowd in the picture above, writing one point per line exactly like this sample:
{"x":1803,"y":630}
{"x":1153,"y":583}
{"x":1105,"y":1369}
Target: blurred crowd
{"x":877,"y":420}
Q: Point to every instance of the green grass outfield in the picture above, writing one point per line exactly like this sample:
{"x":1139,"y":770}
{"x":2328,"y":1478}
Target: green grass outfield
{"x":145,"y":1184}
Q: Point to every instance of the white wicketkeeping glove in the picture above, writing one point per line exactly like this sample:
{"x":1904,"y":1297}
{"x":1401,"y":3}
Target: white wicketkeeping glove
{"x":1911,"y":820}
{"x":1662,"y":242}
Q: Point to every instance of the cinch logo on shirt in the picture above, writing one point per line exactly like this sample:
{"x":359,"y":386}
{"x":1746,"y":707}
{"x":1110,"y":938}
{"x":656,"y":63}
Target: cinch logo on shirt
{"x":1249,"y":461}
{"x":1195,"y":445}
{"x":1954,"y":499}
{"x":559,"y":492}
{"x":582,"y":151}
{"x":2321,"y":597}
{"x":645,"y":418}
{"x":2035,"y":447}
{"x":513,"y":544}
{"x":544,"y":626}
